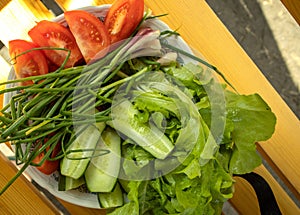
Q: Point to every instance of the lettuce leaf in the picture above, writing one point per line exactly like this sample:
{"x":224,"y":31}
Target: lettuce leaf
{"x":213,"y":130}
{"x":253,"y":121}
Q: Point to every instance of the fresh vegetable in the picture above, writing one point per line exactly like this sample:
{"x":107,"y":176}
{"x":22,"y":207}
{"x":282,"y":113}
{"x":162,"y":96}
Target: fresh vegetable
{"x":81,"y":150}
{"x":51,"y":34}
{"x":29,"y":64}
{"x":90,"y":33}
{"x":180,"y":133}
{"x":149,"y":137}
{"x":122,"y":18}
{"x":202,"y":181}
{"x":105,"y":169}
{"x":68,"y":183}
{"x":47,"y":166}
{"x":112,"y":199}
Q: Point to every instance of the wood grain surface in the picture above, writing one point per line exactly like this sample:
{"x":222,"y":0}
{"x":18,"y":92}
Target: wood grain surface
{"x":202,"y":30}
{"x":293,"y":7}
{"x":22,"y":197}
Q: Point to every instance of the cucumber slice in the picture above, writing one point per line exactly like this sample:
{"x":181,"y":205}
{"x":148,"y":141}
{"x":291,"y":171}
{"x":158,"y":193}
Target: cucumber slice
{"x":112,"y":199}
{"x":68,"y":183}
{"x":102,"y":172}
{"x":124,"y":184}
{"x":86,"y":143}
{"x":149,"y":138}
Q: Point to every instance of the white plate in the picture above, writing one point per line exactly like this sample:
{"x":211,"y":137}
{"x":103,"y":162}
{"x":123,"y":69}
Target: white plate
{"x":50,"y":183}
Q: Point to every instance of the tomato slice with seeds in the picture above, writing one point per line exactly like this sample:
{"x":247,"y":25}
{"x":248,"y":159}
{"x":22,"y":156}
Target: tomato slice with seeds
{"x":90,"y":33}
{"x":30,"y":64}
{"x":123,"y":17}
{"x":51,"y":34}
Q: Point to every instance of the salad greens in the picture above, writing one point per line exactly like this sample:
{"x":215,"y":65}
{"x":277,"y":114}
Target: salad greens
{"x":184,"y":134}
{"x":196,"y":177}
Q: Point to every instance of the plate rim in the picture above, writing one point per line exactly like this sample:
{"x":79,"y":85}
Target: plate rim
{"x":90,"y":200}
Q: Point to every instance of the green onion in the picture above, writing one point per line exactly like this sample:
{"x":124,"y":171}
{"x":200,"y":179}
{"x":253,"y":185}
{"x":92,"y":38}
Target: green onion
{"x":59,"y":101}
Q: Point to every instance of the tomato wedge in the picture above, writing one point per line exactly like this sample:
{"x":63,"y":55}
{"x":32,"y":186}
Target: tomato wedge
{"x":90,"y":33}
{"x":52,"y":34}
{"x":123,"y":17}
{"x":49,"y":166}
{"x":30,"y":64}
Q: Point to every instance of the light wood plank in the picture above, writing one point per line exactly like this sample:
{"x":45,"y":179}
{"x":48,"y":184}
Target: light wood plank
{"x":70,"y":4}
{"x":293,"y":7}
{"x":3,"y":3}
{"x":213,"y":40}
{"x":245,"y":201}
{"x":22,"y":197}
{"x":200,"y":27}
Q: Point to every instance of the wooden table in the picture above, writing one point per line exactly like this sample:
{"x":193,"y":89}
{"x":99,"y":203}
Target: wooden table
{"x":202,"y":30}
{"x":293,"y":7}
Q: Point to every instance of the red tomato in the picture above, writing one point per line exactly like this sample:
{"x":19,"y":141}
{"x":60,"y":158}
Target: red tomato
{"x":123,"y":17}
{"x":52,"y":34}
{"x":30,"y":64}
{"x":90,"y":33}
{"x":48,"y":167}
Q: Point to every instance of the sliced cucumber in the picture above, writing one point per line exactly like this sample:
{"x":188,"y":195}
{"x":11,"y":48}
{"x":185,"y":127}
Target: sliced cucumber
{"x":148,"y":137}
{"x":102,"y":172}
{"x":124,"y":184}
{"x":75,"y":163}
{"x":112,"y":199}
{"x":68,"y":183}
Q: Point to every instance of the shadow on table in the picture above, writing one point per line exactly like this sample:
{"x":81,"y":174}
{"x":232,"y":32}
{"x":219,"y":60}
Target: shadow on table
{"x":246,"y":22}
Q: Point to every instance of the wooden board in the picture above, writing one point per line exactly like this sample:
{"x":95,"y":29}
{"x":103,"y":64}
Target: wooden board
{"x":22,"y":197}
{"x":202,"y":30}
{"x":293,"y":7}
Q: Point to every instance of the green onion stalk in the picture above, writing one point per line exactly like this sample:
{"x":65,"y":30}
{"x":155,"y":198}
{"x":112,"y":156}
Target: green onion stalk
{"x":58,"y":102}
{"x":57,"y":107}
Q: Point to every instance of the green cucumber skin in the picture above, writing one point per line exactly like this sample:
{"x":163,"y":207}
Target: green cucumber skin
{"x":149,"y":138}
{"x":97,"y":180}
{"x":86,"y":140}
{"x":111,"y":199}
{"x":102,"y":171}
{"x":67,"y":183}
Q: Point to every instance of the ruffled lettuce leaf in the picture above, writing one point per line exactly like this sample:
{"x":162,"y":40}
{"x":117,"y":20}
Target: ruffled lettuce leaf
{"x":253,"y":121}
{"x":203,"y":180}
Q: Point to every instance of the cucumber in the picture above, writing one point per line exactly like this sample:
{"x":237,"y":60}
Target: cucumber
{"x":102,"y":171}
{"x":86,"y":141}
{"x":68,"y":183}
{"x":124,"y":184}
{"x":150,"y":138}
{"x":112,"y":199}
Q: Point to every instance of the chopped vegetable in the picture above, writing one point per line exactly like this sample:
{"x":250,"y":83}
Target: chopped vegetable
{"x":123,"y":18}
{"x":52,"y":34}
{"x":68,"y":183}
{"x":30,"y":64}
{"x":79,"y":153}
{"x":149,"y":137}
{"x":105,"y":168}
{"x":47,"y":166}
{"x":174,"y":135}
{"x":112,"y":199}
{"x":90,"y":33}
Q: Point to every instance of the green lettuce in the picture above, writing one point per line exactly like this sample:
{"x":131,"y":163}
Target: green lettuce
{"x":213,"y":131}
{"x":252,"y":122}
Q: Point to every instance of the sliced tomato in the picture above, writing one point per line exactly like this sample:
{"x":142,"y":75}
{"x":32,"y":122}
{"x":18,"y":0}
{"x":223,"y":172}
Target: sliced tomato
{"x":123,"y":17}
{"x":30,"y":64}
{"x":49,"y":166}
{"x":51,"y":34}
{"x":90,"y":33}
